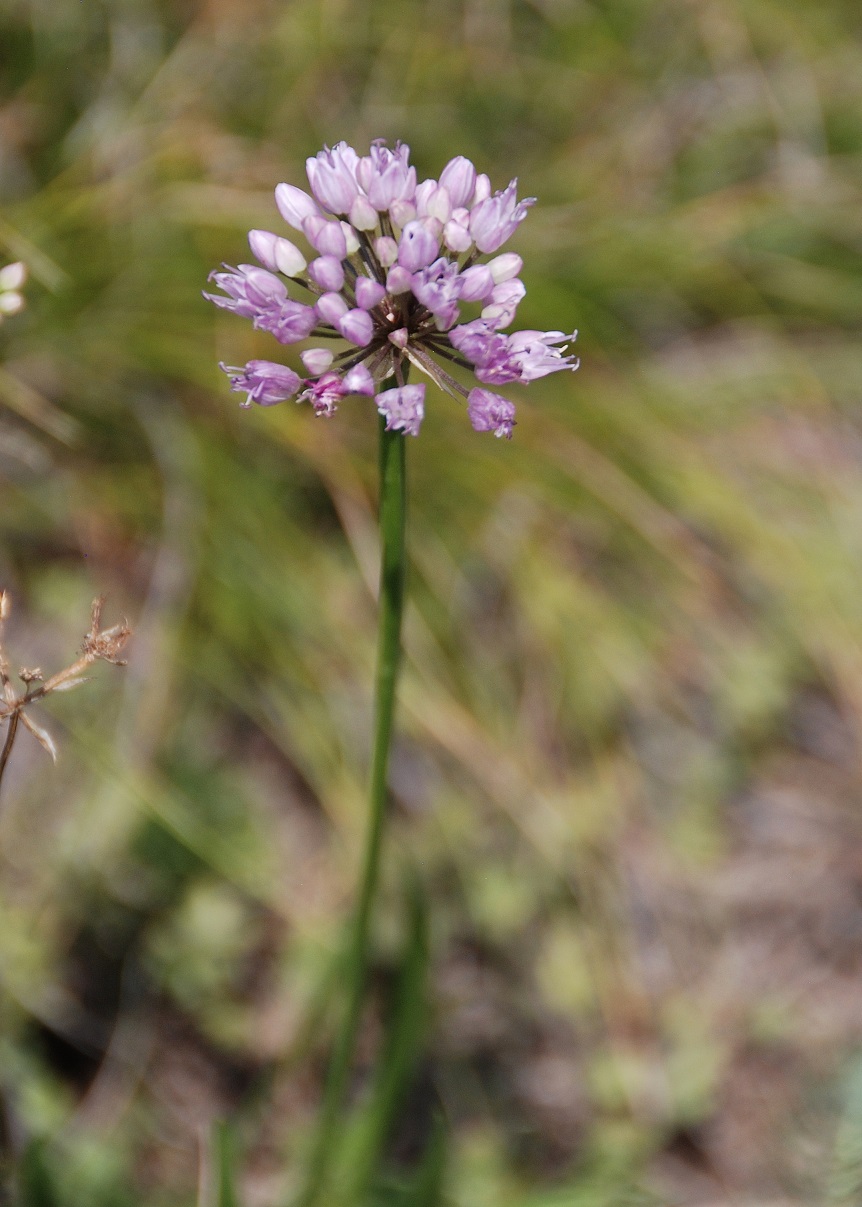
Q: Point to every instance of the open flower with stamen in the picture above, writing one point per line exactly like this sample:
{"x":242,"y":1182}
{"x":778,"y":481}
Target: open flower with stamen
{"x":393,"y":265}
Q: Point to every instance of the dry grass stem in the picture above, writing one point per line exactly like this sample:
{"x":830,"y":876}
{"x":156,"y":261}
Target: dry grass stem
{"x":99,"y":644}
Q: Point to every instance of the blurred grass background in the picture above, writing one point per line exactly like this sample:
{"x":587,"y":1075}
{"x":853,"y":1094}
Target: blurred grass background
{"x":628,"y":768}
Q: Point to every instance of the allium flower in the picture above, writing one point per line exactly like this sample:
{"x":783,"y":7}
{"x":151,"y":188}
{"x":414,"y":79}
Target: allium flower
{"x":490,"y":413}
{"x":263,"y":381}
{"x":394,"y":262}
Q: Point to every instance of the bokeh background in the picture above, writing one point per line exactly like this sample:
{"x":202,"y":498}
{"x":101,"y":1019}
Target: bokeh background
{"x":627,"y":777}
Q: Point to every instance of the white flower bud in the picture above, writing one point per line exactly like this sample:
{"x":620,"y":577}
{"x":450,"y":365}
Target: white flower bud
{"x":504,"y":267}
{"x":13,"y":276}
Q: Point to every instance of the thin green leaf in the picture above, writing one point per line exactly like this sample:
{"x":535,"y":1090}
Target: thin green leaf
{"x":224,"y":1165}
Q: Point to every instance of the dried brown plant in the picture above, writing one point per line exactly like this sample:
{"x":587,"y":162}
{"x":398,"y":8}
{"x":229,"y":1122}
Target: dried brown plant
{"x":99,"y":644}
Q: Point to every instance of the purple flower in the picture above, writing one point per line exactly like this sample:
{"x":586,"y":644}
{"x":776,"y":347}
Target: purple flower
{"x":332,"y":307}
{"x":277,"y":254}
{"x":324,"y":394}
{"x":294,"y":205}
{"x":260,"y":296}
{"x":505,"y":267}
{"x":504,"y":303}
{"x":250,"y":290}
{"x":332,"y":176}
{"x":378,"y":281}
{"x":524,"y":356}
{"x":490,"y":413}
{"x":357,"y":326}
{"x":358,"y":380}
{"x":438,"y":287}
{"x":456,"y":236}
{"x":494,"y":220}
{"x":290,"y":323}
{"x":386,"y":250}
{"x":476,"y":283}
{"x":538,"y":353}
{"x":326,"y":271}
{"x":265,"y":382}
{"x":368,"y":293}
{"x":316,"y":360}
{"x":459,"y":179}
{"x":327,"y":391}
{"x":480,"y":343}
{"x":417,"y":246}
{"x":403,"y":409}
{"x":386,"y":176}
{"x":325,"y":237}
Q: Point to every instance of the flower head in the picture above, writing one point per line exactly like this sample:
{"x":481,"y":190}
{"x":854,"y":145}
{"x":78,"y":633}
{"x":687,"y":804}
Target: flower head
{"x":393,"y":264}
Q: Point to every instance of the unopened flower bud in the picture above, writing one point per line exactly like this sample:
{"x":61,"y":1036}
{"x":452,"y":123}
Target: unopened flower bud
{"x":363,"y":215}
{"x":326,"y":237}
{"x":295,"y":206}
{"x":13,"y":275}
{"x":439,"y":205}
{"x":316,"y":360}
{"x":368,"y":293}
{"x":386,"y":249}
{"x":417,"y":247}
{"x":476,"y":283}
{"x":358,"y":380}
{"x":11,"y":302}
{"x":289,"y":259}
{"x":399,"y":280}
{"x":504,"y":303}
{"x":275,"y":253}
{"x":482,"y":190}
{"x":459,"y":178}
{"x":331,"y":307}
{"x":456,"y":237}
{"x":326,"y":271}
{"x":402,"y":212}
{"x":505,"y":267}
{"x":330,"y":174}
{"x":424,"y":191}
{"x":356,"y":326}
{"x":351,"y":239}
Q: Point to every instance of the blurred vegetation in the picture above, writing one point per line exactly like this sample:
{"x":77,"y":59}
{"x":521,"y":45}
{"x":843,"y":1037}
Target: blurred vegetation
{"x":627,"y":776}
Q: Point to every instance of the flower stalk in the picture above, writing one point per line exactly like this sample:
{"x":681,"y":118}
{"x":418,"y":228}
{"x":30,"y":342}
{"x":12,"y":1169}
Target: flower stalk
{"x":392,"y":520}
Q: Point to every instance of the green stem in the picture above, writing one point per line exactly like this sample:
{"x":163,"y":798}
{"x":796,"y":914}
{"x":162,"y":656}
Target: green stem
{"x":391,"y":604}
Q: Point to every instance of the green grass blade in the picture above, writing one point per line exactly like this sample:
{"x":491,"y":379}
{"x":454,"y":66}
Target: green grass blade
{"x":35,"y":1181}
{"x":224,"y":1165}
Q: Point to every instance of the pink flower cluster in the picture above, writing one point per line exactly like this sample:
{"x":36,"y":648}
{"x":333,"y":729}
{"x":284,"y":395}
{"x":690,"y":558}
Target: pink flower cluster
{"x":395,"y":262}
